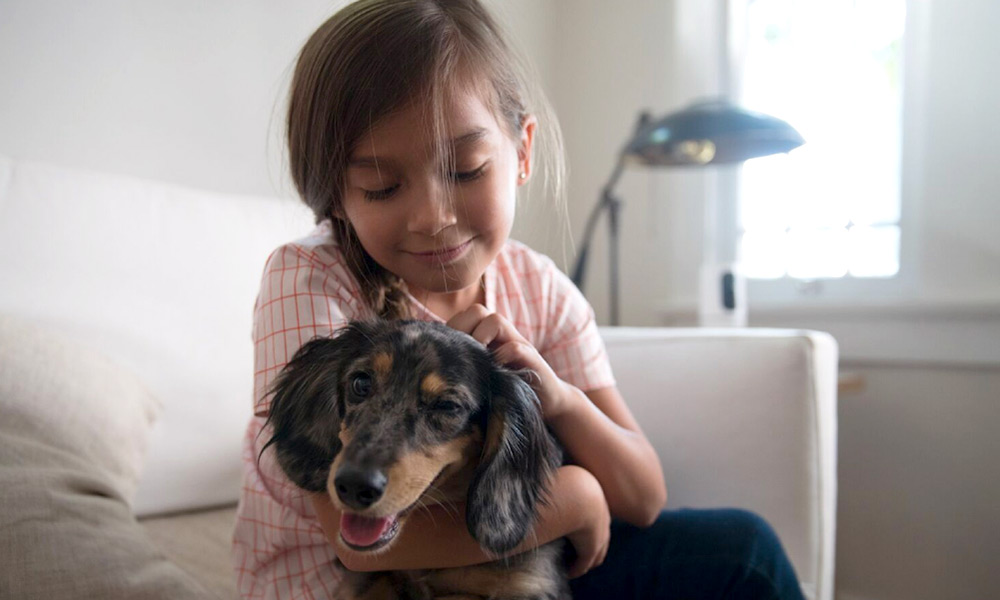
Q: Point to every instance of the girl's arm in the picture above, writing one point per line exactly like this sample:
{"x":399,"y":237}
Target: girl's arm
{"x":600,"y":434}
{"x":438,"y":537}
{"x":598,"y":431}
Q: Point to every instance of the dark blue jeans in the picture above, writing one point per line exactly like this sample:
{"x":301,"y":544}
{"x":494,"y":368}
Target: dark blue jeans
{"x":699,"y":554}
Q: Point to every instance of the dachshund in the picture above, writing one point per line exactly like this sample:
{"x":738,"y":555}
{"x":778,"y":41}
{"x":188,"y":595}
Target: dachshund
{"x":390,"y":416}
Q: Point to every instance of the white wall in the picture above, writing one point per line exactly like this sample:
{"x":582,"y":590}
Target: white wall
{"x":613,"y":60}
{"x":177,"y":91}
{"x":918,"y":495}
{"x":958,"y":195}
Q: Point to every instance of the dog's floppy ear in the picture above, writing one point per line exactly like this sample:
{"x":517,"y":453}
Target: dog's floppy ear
{"x":519,"y":458}
{"x":305,"y":410}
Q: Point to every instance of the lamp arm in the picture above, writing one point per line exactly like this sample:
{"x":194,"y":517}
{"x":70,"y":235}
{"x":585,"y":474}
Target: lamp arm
{"x":607,"y":199}
{"x":607,"y":202}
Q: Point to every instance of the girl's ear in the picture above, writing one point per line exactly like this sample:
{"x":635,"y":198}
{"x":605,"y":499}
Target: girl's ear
{"x":527,"y":138}
{"x":518,"y":461}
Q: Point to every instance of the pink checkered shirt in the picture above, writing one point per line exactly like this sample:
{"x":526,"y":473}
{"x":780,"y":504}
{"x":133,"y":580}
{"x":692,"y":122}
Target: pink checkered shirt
{"x":279,"y":549}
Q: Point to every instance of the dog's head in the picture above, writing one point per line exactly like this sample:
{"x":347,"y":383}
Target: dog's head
{"x":386,"y":415}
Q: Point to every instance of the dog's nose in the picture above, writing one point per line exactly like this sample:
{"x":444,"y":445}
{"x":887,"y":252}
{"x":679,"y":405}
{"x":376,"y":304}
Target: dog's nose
{"x":359,"y":488}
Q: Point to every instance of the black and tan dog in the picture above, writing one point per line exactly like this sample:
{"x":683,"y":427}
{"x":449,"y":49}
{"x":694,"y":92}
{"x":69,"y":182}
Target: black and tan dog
{"x":387,"y":417}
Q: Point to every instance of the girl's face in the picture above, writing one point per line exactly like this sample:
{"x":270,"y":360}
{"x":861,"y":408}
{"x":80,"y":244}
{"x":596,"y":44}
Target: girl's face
{"x":437,"y":232}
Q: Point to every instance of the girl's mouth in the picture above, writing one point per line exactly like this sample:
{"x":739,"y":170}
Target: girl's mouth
{"x":443,"y":256}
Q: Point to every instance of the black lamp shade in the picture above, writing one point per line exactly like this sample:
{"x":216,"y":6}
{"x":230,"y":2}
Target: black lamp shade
{"x":713,"y":132}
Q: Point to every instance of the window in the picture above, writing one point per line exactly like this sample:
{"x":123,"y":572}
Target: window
{"x":831,"y":208}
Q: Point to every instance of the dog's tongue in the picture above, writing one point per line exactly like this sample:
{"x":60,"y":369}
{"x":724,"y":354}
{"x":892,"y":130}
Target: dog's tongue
{"x":363,"y":531}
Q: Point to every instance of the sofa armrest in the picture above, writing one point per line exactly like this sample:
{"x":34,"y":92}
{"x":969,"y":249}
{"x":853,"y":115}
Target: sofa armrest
{"x":742,"y":418}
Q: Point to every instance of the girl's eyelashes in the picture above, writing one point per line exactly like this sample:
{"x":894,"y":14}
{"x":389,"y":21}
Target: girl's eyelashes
{"x":380,"y":194}
{"x":464,"y":176}
{"x":457,"y":177}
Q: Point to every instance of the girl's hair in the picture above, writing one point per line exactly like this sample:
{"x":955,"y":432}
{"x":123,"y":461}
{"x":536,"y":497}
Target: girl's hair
{"x":372,"y":58}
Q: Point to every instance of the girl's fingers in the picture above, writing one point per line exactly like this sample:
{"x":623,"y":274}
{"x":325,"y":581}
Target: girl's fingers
{"x":467,"y":320}
{"x":485,"y":326}
{"x":490,"y":330}
{"x":582,"y":565}
{"x":514,"y":354}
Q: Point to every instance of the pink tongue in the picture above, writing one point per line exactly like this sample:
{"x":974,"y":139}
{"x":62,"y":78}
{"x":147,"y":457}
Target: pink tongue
{"x":363,"y":531}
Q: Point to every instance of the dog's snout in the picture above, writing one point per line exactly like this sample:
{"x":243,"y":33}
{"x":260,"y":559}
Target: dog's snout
{"x":358,"y":487}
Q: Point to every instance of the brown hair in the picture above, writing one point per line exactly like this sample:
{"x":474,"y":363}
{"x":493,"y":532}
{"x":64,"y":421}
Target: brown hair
{"x":367,"y":61}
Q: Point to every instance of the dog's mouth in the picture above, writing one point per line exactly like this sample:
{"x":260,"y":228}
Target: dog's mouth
{"x":367,"y":533}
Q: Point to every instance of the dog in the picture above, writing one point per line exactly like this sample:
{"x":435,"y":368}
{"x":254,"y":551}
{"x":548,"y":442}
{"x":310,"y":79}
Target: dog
{"x":390,"y":416}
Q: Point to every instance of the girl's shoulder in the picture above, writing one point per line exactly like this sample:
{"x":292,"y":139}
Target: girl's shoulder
{"x":318,"y":247}
{"x":518,"y":262}
{"x":313,"y":264}
{"x":318,"y":250}
{"x":529,"y":288}
{"x":520,"y":259}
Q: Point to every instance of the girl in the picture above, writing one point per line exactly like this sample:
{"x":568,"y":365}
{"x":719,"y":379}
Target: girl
{"x":409,"y":132}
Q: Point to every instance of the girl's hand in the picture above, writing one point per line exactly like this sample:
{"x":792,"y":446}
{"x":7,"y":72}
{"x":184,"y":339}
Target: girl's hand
{"x":512,"y":350}
{"x":591,"y":540}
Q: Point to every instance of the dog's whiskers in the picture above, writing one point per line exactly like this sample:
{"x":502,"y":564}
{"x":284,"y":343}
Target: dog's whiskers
{"x":442,"y":500}
{"x":420,"y":504}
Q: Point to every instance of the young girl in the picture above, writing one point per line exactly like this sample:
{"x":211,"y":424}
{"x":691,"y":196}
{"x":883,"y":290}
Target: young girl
{"x":409,"y":133}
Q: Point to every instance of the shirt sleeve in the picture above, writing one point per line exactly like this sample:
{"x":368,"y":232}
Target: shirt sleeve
{"x":573,"y":345}
{"x":279,"y":550}
{"x":303,"y":294}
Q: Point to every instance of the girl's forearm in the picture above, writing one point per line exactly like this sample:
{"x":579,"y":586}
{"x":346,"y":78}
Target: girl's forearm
{"x":622,"y":460}
{"x":438,"y":537}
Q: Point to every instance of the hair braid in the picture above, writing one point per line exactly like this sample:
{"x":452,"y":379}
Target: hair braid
{"x":384,"y":292}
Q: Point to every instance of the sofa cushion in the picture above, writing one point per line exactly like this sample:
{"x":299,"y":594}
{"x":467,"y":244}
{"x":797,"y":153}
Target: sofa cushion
{"x":162,"y":279}
{"x":72,"y":441}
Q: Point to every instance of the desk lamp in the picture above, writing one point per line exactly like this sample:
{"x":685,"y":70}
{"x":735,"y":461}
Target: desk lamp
{"x":706,"y":133}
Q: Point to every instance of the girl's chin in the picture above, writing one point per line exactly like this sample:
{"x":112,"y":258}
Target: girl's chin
{"x":461,"y":284}
{"x":441,"y":285}
{"x":444,"y":278}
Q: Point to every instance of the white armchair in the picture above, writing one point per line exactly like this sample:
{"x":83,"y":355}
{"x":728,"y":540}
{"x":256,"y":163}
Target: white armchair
{"x":741,"y":418}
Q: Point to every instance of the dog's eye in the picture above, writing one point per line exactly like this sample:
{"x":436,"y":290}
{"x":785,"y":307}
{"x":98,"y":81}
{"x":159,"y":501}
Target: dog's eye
{"x":361,"y":385}
{"x":446,"y":407}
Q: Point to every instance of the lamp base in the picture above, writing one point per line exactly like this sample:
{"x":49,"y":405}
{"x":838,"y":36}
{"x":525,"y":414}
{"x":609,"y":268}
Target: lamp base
{"x":722,"y":296}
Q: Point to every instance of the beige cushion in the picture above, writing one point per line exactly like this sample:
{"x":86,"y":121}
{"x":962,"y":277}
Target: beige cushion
{"x":72,"y":438}
{"x":199,"y":542}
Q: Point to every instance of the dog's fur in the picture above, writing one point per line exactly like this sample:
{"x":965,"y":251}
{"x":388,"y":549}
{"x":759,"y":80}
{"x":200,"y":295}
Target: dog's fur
{"x":424,"y":410}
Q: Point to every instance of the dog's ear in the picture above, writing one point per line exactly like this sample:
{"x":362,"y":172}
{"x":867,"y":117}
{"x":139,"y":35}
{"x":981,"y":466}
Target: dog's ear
{"x":518,"y":461}
{"x":305,"y":409}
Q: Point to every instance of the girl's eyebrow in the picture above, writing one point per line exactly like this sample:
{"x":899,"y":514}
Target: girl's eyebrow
{"x":473,"y":136}
{"x":368,"y":162}
{"x":371,"y":162}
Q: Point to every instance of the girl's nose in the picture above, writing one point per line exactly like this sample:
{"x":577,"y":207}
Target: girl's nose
{"x":432,"y":211}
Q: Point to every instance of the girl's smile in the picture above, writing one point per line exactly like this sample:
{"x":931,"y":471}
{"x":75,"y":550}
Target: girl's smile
{"x":444,"y":255}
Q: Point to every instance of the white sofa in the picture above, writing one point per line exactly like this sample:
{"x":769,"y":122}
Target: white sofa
{"x":161,"y":279}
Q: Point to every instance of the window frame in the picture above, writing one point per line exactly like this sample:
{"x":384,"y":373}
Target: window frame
{"x":849,"y":291}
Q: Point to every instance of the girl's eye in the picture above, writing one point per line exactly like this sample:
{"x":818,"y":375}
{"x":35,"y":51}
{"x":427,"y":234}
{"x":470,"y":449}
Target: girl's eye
{"x":464,"y":176}
{"x":361,"y":385}
{"x":380,"y":194}
{"x":446,"y":407}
